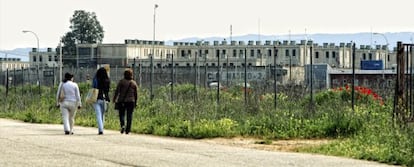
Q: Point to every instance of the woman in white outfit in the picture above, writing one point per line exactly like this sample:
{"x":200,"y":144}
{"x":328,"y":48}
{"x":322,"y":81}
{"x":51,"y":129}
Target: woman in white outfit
{"x":69,"y":101}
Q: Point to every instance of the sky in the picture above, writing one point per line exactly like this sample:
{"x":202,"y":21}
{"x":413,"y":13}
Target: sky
{"x":178,"y":19}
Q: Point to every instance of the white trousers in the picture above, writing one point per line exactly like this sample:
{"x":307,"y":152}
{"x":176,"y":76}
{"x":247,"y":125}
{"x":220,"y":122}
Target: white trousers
{"x":68,"y":109}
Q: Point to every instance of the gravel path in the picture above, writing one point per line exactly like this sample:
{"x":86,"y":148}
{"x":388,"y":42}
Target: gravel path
{"x":24,"y":144}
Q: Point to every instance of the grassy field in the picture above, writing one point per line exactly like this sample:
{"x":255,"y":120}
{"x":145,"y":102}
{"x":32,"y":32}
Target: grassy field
{"x":367,"y":132}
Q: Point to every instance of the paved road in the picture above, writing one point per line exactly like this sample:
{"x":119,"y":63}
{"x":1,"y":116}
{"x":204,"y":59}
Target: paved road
{"x":23,"y":144}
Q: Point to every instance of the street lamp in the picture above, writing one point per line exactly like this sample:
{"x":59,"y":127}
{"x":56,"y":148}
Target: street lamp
{"x":60,"y":61}
{"x":387,"y":44}
{"x":152,"y":56}
{"x":37,"y":39}
{"x":386,"y":52}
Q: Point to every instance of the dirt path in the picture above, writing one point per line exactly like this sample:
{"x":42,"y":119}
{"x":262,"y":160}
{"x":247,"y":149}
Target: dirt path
{"x":275,"y":145}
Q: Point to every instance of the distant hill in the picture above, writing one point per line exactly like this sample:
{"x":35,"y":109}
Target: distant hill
{"x":22,"y":53}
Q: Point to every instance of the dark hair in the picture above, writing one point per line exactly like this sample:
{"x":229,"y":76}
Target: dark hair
{"x":68,"y":76}
{"x":101,"y":74}
{"x":128,"y":74}
{"x":102,"y":77}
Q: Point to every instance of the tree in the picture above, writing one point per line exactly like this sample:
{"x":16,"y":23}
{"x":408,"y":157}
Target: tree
{"x":85,"y":28}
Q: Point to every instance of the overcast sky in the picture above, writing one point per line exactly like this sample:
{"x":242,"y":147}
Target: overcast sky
{"x":177,"y":19}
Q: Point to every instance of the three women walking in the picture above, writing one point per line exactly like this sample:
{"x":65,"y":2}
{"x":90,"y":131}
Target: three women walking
{"x":126,"y":96}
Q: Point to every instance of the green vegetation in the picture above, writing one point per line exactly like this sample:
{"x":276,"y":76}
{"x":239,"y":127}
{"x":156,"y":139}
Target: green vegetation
{"x":367,"y":132}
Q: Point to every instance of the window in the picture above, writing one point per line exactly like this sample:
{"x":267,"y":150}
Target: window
{"x":234,"y":53}
{"x":206,"y":52}
{"x":40,"y":58}
{"x":294,"y":52}
{"x":84,"y":51}
{"x":34,"y":58}
{"x":327,"y":55}
{"x":182,"y":53}
{"x":252,"y":53}
{"x":269,"y":52}
{"x":259,"y":53}
{"x":333,"y":54}
{"x":241,"y":53}
{"x":287,"y":53}
{"x":50,"y":57}
{"x":217,"y":53}
{"x":370,"y":56}
{"x":189,"y":52}
{"x":364,"y":56}
{"x":316,"y":55}
{"x":56,"y":58}
{"x":390,"y":83}
{"x":199,"y":53}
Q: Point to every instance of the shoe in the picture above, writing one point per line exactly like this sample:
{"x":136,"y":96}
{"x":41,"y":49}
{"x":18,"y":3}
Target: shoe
{"x":100,"y":133}
{"x":71,"y":133}
{"x":126,"y":132}
{"x":67,"y":132}
{"x":122,"y":130}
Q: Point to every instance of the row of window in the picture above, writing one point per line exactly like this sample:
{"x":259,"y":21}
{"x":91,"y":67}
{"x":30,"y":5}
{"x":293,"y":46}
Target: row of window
{"x":364,"y":56}
{"x":49,"y":58}
{"x":15,"y":66}
{"x":258,"y":52}
{"x":201,"y":65}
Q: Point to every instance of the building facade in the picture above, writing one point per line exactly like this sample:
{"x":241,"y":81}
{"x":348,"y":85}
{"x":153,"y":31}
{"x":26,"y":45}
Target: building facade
{"x":13,"y":64}
{"x":47,"y":58}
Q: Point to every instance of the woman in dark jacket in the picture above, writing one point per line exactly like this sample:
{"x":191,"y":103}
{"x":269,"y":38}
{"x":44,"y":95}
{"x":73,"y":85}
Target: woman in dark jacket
{"x":102,"y":83}
{"x":126,"y":95}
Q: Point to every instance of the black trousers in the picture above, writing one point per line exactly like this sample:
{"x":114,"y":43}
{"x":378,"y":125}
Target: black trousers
{"x":128,"y":109}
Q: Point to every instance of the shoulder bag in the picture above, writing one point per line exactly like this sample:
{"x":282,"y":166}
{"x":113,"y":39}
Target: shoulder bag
{"x":92,"y":95}
{"x":61,"y":94}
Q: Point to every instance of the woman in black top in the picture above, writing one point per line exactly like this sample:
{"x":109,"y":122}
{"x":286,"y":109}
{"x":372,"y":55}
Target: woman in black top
{"x":102,"y":83}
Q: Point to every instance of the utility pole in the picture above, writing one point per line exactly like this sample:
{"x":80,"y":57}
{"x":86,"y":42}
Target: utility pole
{"x":152,"y":56}
{"x":353,"y":76}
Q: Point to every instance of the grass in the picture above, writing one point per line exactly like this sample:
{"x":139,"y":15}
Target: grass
{"x":368,"y":132}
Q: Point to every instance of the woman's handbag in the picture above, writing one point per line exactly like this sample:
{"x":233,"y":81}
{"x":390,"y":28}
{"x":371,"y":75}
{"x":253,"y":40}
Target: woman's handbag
{"x":61,"y":95}
{"x":92,"y":95}
{"x":118,"y":105}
